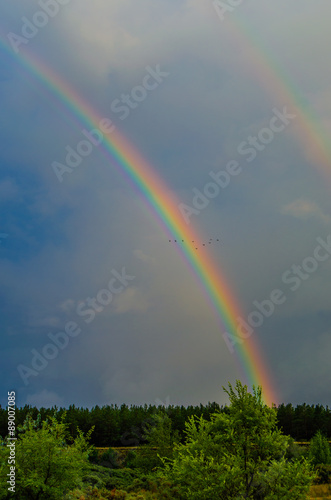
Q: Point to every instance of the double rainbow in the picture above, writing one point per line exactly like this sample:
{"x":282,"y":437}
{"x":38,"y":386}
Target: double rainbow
{"x":165,"y":206}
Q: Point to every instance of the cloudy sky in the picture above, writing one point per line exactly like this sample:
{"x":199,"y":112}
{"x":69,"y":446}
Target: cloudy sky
{"x":195,"y":87}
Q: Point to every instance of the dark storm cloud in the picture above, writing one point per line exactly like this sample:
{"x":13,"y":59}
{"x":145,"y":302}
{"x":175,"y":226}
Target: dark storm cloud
{"x":159,"y":337}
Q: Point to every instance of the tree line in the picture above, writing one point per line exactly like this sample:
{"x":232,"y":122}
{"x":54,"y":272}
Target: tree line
{"x":224,"y":453}
{"x":121,"y":426}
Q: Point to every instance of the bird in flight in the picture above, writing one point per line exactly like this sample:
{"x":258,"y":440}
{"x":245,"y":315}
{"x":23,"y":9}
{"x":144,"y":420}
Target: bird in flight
{"x":210,"y":242}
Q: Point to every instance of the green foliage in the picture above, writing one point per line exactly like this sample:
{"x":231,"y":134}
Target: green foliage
{"x":319,"y":450}
{"x":93,"y":456}
{"x":109,"y":459}
{"x":227,"y":453}
{"x":46,"y":466}
{"x":131,"y":482}
{"x":294,"y":451}
{"x":160,"y":434}
{"x":130,"y":459}
{"x":124,"y":425}
{"x":237,"y":454}
{"x":160,"y":443}
{"x":290,"y":480}
{"x":323,"y":474}
{"x":144,"y":459}
{"x":123,"y":479}
{"x":96,"y":476}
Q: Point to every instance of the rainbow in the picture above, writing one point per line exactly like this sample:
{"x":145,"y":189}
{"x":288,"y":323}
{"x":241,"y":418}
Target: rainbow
{"x":165,"y":206}
{"x":312,"y":136}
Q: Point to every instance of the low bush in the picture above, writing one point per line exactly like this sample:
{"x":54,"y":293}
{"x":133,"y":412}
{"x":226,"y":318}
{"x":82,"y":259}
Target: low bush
{"x":324,"y":474}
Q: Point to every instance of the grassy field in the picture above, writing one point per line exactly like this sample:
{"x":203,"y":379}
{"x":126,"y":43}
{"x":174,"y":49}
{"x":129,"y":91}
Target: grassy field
{"x":320,"y":491}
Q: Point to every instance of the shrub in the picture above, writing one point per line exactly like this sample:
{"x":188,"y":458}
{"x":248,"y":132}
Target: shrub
{"x":294,"y":451}
{"x":109,"y":459}
{"x":319,"y":450}
{"x":130,"y":459}
{"x":323,"y":474}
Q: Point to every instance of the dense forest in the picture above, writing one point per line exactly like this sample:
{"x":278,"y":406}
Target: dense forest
{"x":243,"y":450}
{"x":119,"y":426}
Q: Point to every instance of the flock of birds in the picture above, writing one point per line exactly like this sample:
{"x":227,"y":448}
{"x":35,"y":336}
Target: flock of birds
{"x":210,"y":242}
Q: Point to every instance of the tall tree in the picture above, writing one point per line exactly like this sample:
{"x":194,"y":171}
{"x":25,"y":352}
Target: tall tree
{"x":237,"y":454}
{"x":46,"y":466}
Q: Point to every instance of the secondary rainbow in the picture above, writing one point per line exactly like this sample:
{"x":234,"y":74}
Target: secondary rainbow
{"x":164,"y":204}
{"x":313,"y":137}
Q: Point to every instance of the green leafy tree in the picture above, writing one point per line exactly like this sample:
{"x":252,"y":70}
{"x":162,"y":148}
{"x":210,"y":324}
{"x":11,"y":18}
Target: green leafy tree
{"x":319,"y":450}
{"x":238,"y":454}
{"x":159,"y":434}
{"x":284,"y":479}
{"x":160,"y":439}
{"x":46,"y":466}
